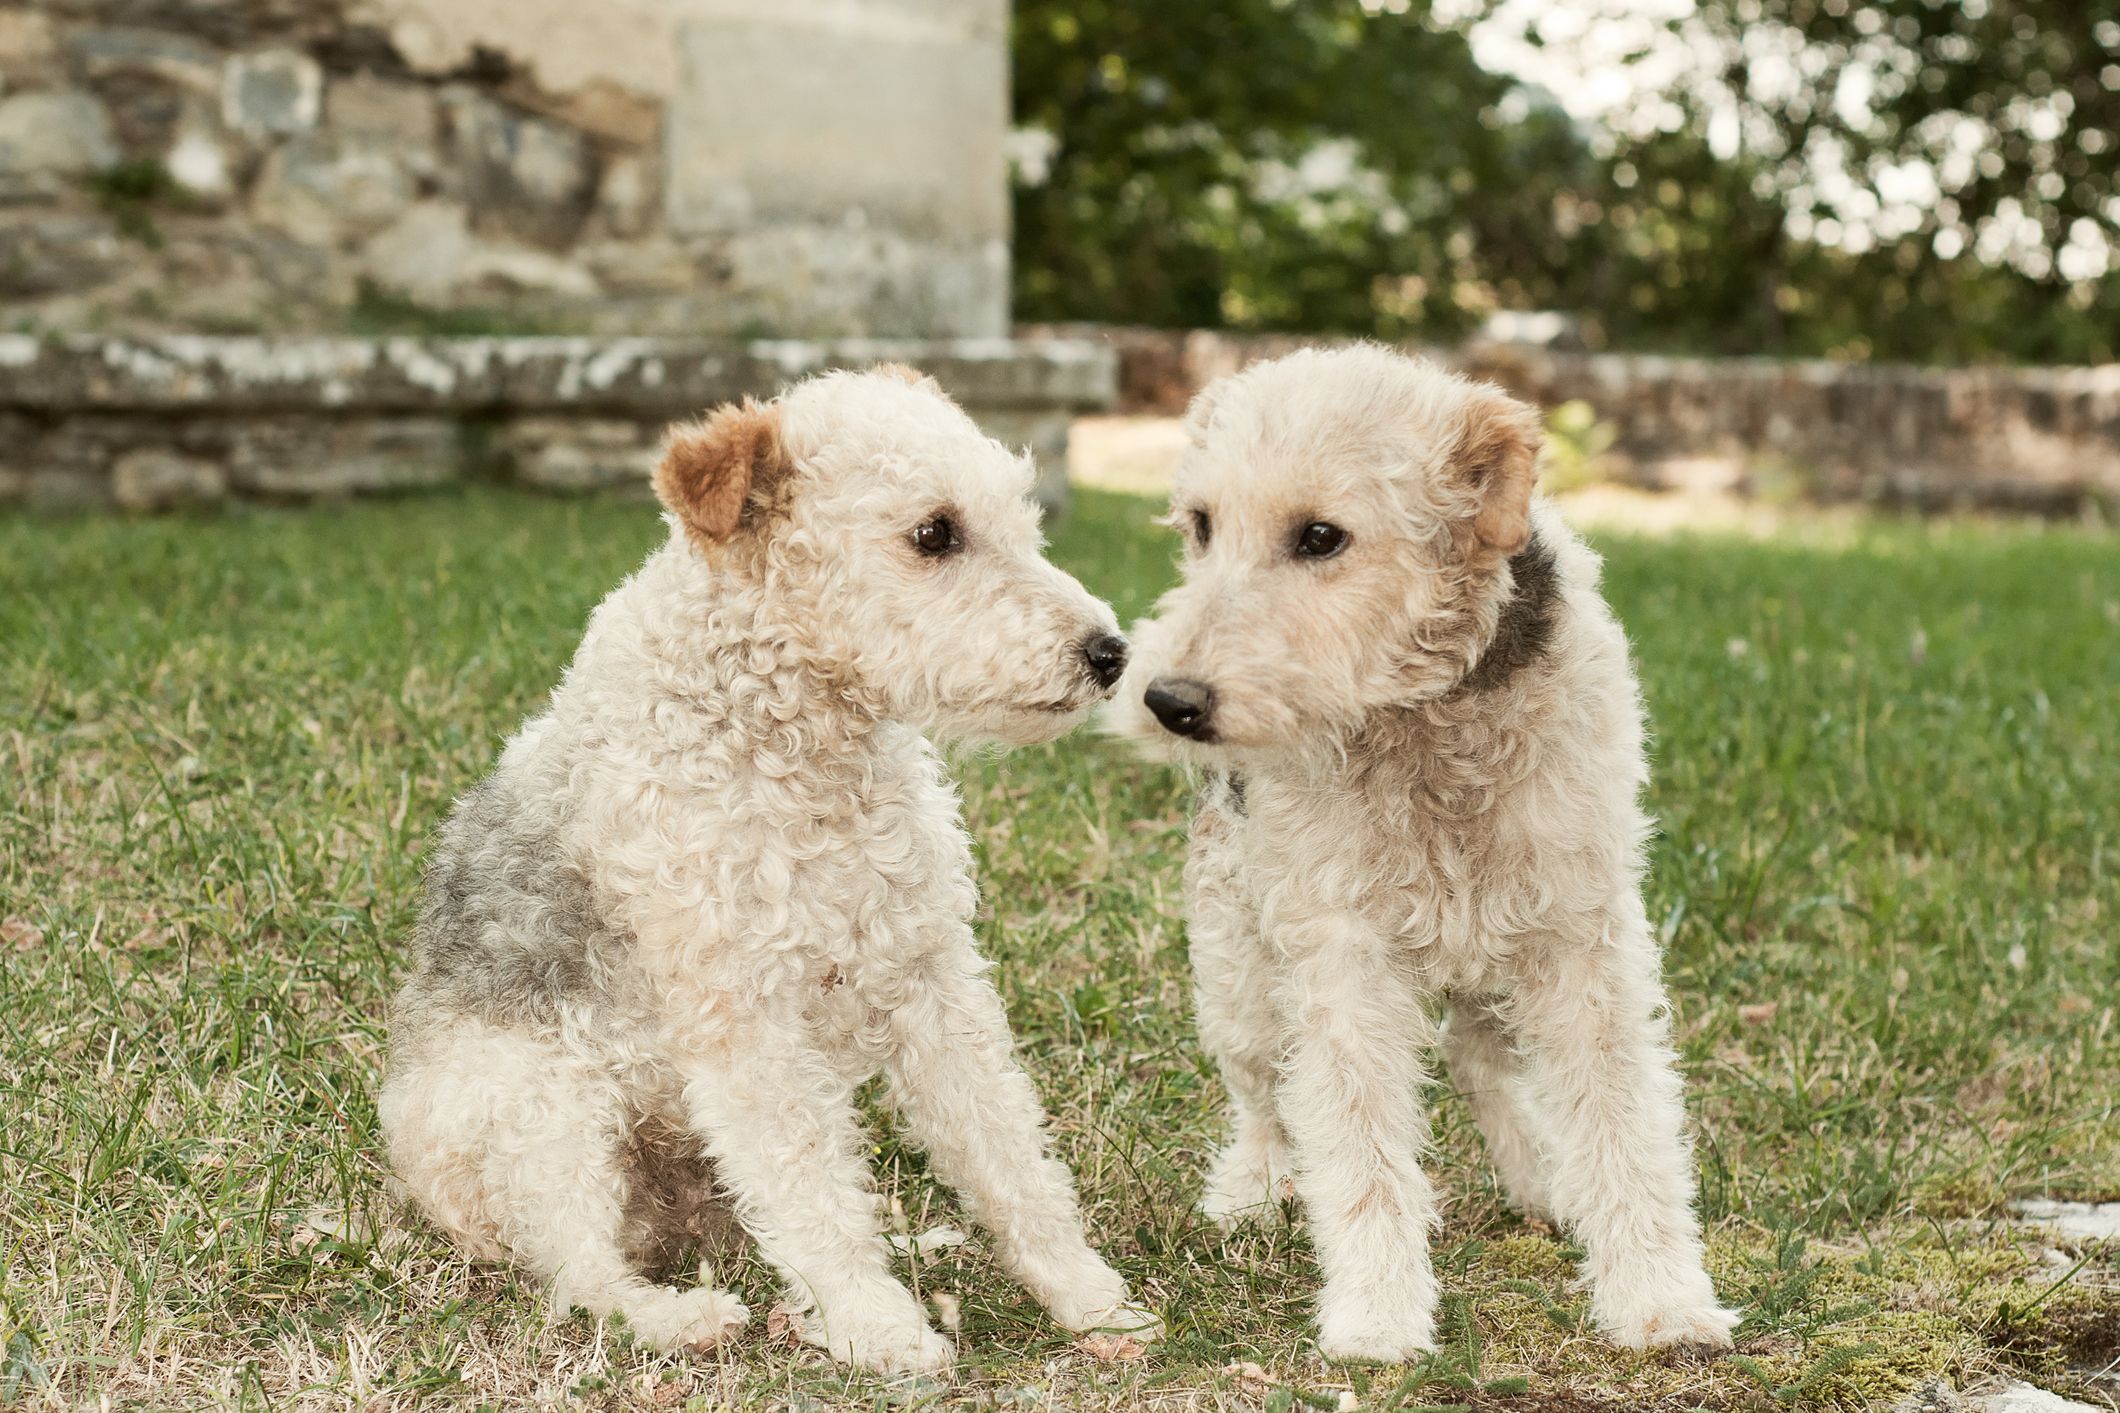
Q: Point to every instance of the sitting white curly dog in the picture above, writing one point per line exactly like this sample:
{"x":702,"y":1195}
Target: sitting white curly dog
{"x":1422,"y":745}
{"x":723,"y":879}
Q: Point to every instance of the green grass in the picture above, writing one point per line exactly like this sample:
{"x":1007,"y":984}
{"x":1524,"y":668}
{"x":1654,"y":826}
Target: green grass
{"x":1886,"y":772}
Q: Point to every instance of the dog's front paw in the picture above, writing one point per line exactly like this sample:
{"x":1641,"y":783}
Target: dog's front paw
{"x":1123,"y":1317}
{"x":1385,"y":1329}
{"x":695,"y":1320}
{"x":893,"y":1349}
{"x":1704,"y":1326}
{"x":1084,"y":1294}
{"x":1665,"y":1312}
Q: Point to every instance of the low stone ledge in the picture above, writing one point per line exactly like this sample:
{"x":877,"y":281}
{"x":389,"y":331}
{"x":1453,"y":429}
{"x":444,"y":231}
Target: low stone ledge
{"x":2039,"y":440}
{"x":653,"y":377}
{"x":154,"y":423}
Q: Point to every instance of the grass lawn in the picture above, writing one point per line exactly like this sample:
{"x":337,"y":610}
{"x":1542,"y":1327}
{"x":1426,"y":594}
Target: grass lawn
{"x":1888,"y":774}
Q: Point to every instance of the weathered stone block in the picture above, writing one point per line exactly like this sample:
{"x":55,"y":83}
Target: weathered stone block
{"x":271,"y":93}
{"x":571,"y":454}
{"x":43,"y":255}
{"x":601,"y":108}
{"x":200,"y":160}
{"x":29,"y":46}
{"x":653,"y":266}
{"x":431,"y":255}
{"x":159,"y":479}
{"x":625,"y":197}
{"x":127,"y":52}
{"x":326,"y":188}
{"x":369,"y":106}
{"x":311,"y":457}
{"x":379,"y":112}
{"x":529,"y":177}
{"x":48,"y":140}
{"x":815,"y":147}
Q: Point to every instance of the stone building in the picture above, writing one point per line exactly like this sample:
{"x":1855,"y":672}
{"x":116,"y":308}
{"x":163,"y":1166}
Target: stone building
{"x":297,"y":248}
{"x":733,"y":167}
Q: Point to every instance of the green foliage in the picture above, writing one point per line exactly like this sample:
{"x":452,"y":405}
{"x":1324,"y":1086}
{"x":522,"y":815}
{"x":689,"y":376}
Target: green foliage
{"x":1178,"y":191}
{"x":1577,"y":444}
{"x":1753,"y":215}
{"x":378,"y":312}
{"x":129,"y":192}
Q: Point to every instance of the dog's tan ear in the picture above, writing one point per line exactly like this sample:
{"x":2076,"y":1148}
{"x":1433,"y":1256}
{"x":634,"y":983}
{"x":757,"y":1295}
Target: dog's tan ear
{"x":712,"y":469}
{"x":1497,"y":453}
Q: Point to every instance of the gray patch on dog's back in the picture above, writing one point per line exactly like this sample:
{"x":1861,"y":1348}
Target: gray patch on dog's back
{"x":511,"y":926}
{"x":1525,"y":626}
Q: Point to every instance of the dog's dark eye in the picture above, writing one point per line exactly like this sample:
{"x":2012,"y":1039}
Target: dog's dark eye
{"x":1203,"y":528}
{"x":1319,"y":540}
{"x":938,"y":537}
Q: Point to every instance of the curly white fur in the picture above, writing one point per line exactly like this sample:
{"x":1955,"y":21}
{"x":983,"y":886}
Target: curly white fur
{"x":1422,"y":759}
{"x":722,"y":879}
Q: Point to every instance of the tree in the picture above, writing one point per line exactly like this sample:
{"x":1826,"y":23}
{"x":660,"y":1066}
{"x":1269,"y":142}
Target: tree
{"x":1251,"y":162}
{"x":1924,"y":179}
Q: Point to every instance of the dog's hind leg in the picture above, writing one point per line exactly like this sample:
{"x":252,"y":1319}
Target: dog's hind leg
{"x":1610,"y":1109}
{"x":514,"y":1146}
{"x":1236,"y":998}
{"x":1486,"y":1069}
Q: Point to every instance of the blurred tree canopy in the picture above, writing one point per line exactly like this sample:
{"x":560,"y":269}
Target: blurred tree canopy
{"x":1919,"y":179}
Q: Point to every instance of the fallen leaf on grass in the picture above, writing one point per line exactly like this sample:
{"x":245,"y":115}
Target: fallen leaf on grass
{"x":1248,"y":1374}
{"x":1111,"y":1348}
{"x":784,"y":1324}
{"x":1759,"y":1013}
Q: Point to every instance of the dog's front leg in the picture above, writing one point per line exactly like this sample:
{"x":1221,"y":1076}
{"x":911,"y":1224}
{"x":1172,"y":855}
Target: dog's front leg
{"x":1354,"y":1110}
{"x":780,"y":1123}
{"x":1235,"y":1001}
{"x":955,"y":1079}
{"x":1611,"y":1112}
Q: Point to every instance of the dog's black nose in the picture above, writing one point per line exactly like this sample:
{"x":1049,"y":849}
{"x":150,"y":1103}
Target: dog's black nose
{"x":1107,"y":658}
{"x":1182,"y":705}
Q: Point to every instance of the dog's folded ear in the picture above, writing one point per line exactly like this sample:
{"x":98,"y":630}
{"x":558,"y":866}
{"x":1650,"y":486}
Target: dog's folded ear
{"x":713,"y":469}
{"x":1497,"y":453}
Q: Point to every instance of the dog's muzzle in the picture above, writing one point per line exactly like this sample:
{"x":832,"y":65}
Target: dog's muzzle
{"x":1106,"y":656}
{"x":1185,"y":707}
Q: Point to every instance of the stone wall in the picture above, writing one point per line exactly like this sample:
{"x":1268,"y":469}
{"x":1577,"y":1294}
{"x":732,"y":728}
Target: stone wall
{"x":153,"y":422}
{"x":2045,"y":440}
{"x":825,"y":168}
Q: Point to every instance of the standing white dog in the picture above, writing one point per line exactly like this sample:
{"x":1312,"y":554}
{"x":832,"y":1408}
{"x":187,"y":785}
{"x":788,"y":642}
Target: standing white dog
{"x":1422,"y":742}
{"x":722,"y":879}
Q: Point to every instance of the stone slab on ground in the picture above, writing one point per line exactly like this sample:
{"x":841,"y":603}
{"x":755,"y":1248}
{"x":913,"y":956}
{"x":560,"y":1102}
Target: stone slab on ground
{"x":2025,"y":1398}
{"x":2079,"y":1221}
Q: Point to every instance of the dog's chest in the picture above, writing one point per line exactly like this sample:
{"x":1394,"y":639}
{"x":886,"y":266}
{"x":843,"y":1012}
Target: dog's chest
{"x":878,"y":878}
{"x":1433,"y":857}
